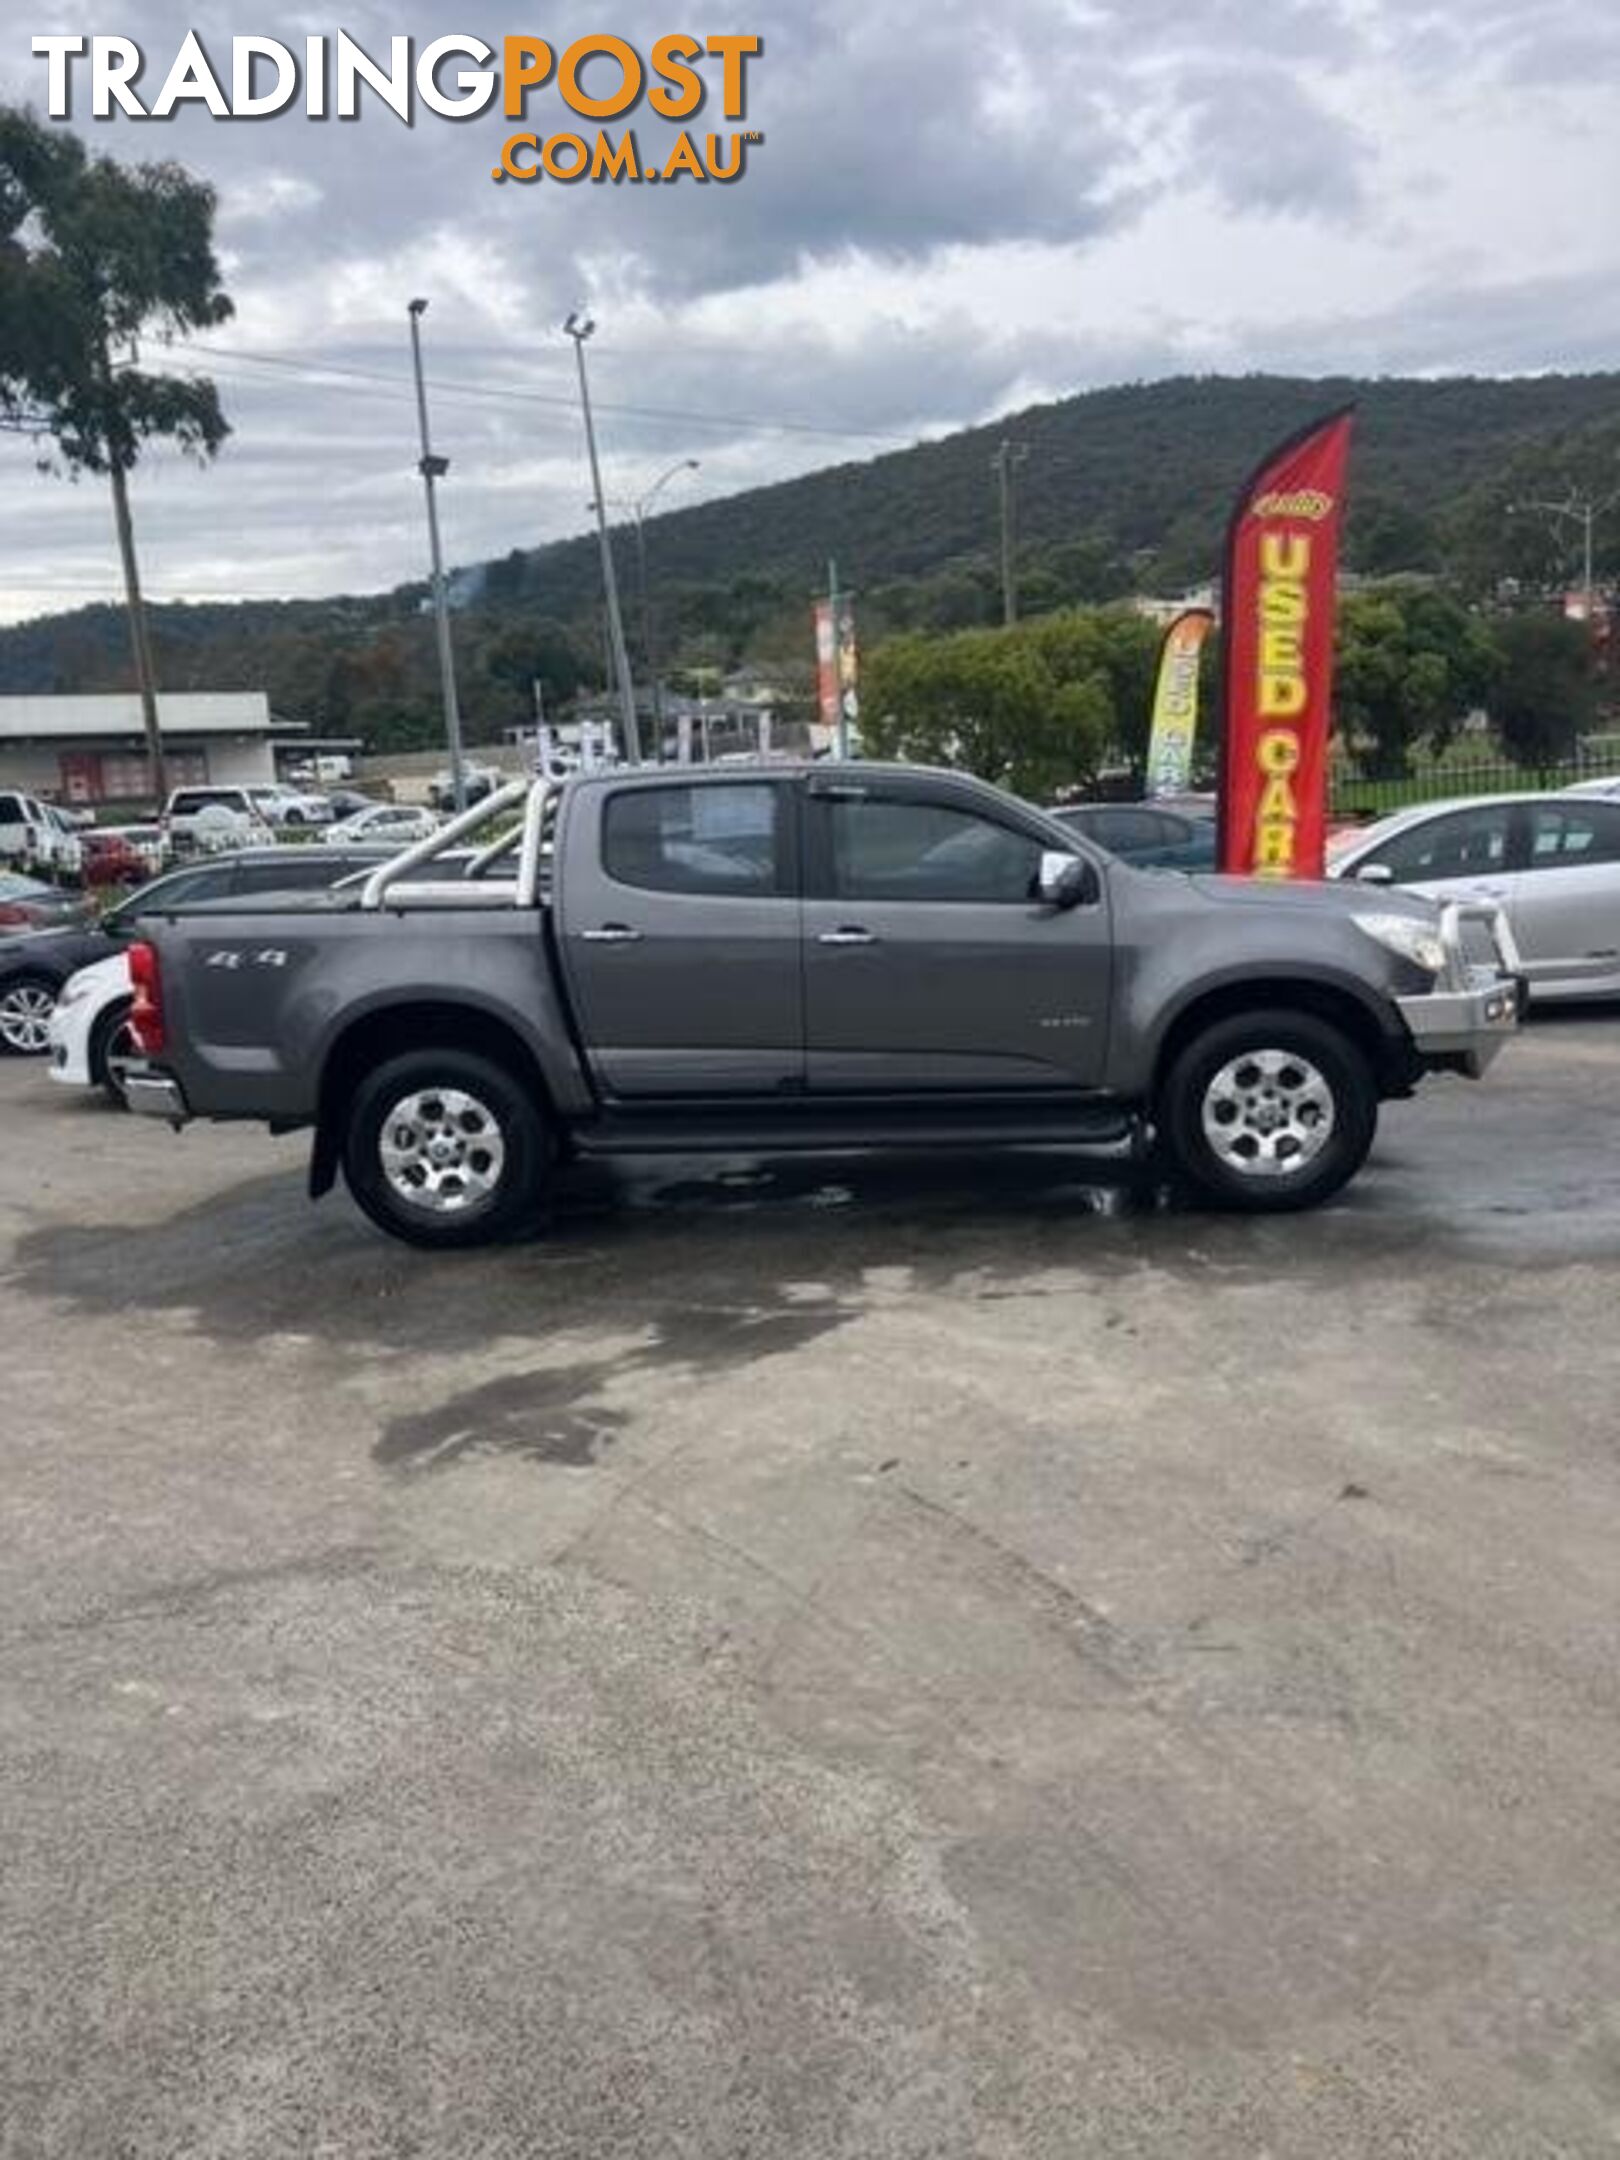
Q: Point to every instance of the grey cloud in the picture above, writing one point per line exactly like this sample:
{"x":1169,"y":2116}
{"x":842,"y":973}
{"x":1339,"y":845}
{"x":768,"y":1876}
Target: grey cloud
{"x":897,"y":130}
{"x":1259,"y":139}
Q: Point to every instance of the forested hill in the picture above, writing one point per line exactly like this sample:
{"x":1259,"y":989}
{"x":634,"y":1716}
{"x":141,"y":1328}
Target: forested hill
{"x":1122,"y":489}
{"x":1144,"y":467}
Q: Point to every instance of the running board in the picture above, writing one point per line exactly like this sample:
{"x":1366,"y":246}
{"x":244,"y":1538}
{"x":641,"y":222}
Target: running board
{"x":856,"y":1123}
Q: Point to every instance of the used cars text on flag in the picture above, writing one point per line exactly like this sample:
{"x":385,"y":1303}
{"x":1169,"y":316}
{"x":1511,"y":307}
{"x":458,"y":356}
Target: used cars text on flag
{"x":1175,"y":704}
{"x":1277,"y":607}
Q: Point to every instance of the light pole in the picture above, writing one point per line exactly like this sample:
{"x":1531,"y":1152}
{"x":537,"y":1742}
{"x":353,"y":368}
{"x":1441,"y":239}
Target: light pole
{"x":638,"y":510}
{"x":433,"y":469}
{"x":1584,"y":510}
{"x":580,"y":326}
{"x":1009,"y":456}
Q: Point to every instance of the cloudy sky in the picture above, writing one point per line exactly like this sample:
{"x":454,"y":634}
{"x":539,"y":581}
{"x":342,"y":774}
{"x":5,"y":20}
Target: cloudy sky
{"x":956,"y":209}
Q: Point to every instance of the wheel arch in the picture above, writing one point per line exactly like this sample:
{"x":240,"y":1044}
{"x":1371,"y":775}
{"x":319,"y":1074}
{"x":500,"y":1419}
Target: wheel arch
{"x":414,"y":1024}
{"x":1353,"y":1013}
{"x":102,"y":1029}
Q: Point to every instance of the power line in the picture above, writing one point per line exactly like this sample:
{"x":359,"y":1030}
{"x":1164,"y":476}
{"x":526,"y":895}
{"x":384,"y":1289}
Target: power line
{"x":312,"y":370}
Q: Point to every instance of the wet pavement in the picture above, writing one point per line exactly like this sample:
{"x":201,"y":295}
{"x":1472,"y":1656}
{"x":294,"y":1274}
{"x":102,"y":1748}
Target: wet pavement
{"x":879,"y":1656}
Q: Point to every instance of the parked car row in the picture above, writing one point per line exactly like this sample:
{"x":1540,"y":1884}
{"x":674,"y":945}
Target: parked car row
{"x":40,"y":964}
{"x":46,"y":841}
{"x":37,"y":835}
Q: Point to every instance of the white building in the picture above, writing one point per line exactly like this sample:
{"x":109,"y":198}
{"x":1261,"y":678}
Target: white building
{"x":92,"y":749}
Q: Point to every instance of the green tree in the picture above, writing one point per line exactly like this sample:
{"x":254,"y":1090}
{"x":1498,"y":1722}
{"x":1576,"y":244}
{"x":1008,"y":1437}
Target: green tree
{"x":1116,"y":649}
{"x":520,"y":655}
{"x":1546,"y":696}
{"x":1411,"y":664}
{"x":990,"y":701}
{"x":94,"y":255}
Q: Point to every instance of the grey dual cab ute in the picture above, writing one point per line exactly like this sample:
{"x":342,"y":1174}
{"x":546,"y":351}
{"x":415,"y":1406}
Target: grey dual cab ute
{"x":751,"y":960}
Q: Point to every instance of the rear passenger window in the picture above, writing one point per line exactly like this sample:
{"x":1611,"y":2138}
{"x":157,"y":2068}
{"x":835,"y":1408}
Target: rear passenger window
{"x":721,"y":840}
{"x":1563,"y":835}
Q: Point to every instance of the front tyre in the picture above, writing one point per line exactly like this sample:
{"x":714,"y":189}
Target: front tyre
{"x":445,"y":1148}
{"x":1269,"y":1112}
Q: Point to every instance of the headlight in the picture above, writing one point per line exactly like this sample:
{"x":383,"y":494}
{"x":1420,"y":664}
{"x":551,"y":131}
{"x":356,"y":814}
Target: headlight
{"x":1408,"y":935}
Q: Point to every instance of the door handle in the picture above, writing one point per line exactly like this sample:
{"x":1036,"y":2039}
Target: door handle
{"x":613,"y":933}
{"x":850,"y":934}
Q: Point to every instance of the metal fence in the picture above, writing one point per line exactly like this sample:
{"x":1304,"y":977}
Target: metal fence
{"x":1351,"y":794}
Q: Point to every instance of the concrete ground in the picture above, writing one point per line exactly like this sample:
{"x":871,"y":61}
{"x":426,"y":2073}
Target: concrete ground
{"x":858,"y":1659}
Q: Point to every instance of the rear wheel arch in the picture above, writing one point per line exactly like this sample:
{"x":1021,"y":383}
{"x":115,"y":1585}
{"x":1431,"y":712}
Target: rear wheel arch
{"x":381,"y":1035}
{"x":445,"y":1147}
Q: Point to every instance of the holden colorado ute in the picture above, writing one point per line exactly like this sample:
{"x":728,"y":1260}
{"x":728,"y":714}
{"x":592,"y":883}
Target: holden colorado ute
{"x":752,"y":960}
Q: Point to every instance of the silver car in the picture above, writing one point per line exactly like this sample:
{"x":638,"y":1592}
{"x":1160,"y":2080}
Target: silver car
{"x":1551,"y":862}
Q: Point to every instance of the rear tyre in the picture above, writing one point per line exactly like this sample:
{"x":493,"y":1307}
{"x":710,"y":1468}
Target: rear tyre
{"x":110,"y":1040}
{"x":26,"y":1005}
{"x":445,"y":1148}
{"x":1269,"y":1112}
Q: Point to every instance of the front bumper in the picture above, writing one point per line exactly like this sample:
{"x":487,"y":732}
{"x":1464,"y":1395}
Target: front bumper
{"x":154,"y":1094}
{"x":1462,"y":1023}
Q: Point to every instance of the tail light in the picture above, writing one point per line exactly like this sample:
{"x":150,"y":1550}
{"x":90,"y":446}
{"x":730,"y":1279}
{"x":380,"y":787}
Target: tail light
{"x":146,"y":1008}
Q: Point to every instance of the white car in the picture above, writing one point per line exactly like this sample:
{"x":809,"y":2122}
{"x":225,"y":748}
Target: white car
{"x":38,"y":835}
{"x":213,"y":817}
{"x":282,"y":805}
{"x":388,"y":823}
{"x":1550,"y":862}
{"x":88,"y":1029}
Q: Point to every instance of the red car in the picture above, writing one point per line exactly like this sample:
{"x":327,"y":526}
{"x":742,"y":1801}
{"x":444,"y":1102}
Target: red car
{"x":111,"y":857}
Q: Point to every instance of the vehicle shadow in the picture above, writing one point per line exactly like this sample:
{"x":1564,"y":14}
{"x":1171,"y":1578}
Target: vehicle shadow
{"x":636,"y":1244}
{"x":686,"y":1249}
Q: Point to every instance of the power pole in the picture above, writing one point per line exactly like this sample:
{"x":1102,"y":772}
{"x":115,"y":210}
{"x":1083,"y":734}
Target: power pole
{"x":1584,"y":511}
{"x":1009,"y":456}
{"x":638,"y":510}
{"x":140,"y":640}
{"x":433,"y":469}
{"x":579,"y":326}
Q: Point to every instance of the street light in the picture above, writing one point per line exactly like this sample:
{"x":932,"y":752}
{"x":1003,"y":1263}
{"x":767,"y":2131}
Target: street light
{"x":638,"y":510}
{"x":580,"y":326}
{"x":1585,"y":510}
{"x":433,"y":469}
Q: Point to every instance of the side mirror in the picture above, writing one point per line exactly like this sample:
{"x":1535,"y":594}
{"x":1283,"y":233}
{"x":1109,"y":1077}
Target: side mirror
{"x":1375,"y":873}
{"x":116,"y":924}
{"x":1063,"y":881}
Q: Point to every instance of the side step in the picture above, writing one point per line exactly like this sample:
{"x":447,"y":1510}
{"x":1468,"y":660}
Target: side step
{"x":857,"y":1122}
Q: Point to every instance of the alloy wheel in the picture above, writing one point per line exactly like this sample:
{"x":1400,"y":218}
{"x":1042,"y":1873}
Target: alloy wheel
{"x":1268,"y":1113}
{"x":25,"y":1018}
{"x":442,"y":1150}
